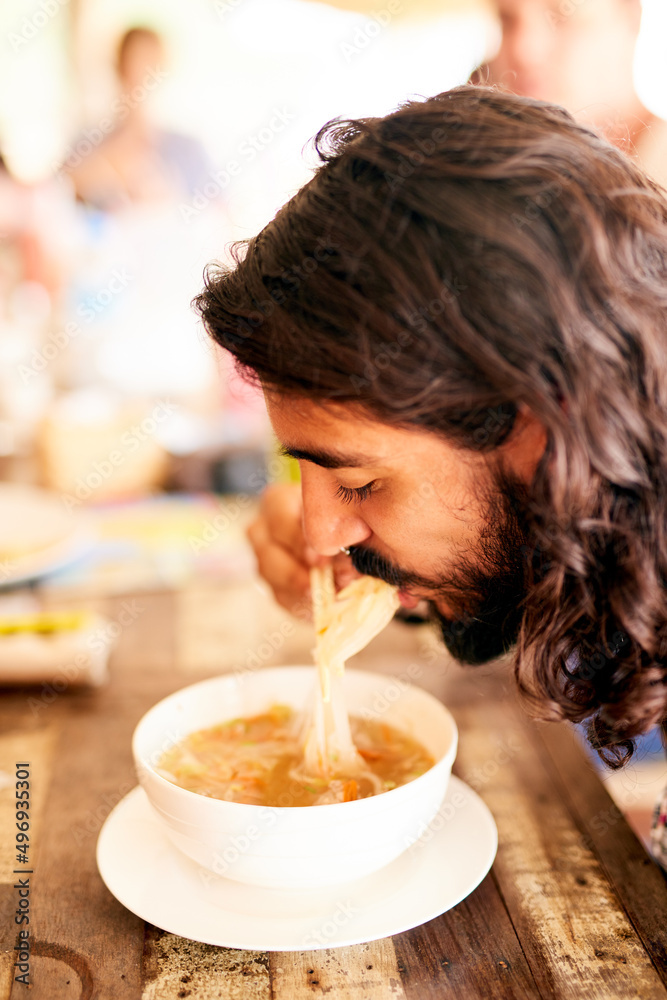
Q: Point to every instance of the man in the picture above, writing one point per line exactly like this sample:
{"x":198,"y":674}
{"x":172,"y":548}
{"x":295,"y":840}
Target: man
{"x":580,"y":54}
{"x":459,"y":327}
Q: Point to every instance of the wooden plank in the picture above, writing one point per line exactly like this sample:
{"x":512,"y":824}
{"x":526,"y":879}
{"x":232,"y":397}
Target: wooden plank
{"x":6,"y":974}
{"x":472,"y":951}
{"x":8,"y":929}
{"x":576,"y":936}
{"x":237,"y":627}
{"x":178,"y":967}
{"x":84,"y":939}
{"x":366,"y":970}
{"x":78,"y":928}
{"x":59,"y":972}
{"x":639,"y":883}
{"x":8,"y":938}
{"x":34,"y":746}
{"x":145,"y":646}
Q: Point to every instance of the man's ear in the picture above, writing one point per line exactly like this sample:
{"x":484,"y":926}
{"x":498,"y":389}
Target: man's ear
{"x":525,"y":446}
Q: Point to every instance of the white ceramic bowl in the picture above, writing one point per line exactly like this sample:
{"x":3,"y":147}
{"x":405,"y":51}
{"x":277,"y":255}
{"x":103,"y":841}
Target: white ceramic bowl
{"x":299,"y":846}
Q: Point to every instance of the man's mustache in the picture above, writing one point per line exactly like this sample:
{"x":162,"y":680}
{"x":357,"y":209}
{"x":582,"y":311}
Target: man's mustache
{"x":371,"y":563}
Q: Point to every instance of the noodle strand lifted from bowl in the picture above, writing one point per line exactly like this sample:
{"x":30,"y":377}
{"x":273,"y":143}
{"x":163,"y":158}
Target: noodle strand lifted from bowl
{"x":344,"y":624}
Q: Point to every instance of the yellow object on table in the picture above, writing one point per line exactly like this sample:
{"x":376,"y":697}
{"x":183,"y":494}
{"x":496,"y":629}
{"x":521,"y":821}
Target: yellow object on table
{"x":46,"y":622}
{"x":60,"y":648}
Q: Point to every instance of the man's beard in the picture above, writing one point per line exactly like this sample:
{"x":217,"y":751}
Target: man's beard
{"x":487,"y":587}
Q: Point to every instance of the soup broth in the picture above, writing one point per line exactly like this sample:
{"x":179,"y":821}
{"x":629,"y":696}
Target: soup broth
{"x":260,"y":761}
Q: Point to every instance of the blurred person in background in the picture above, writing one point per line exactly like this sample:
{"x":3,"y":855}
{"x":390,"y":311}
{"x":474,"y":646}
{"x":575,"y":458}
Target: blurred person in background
{"x":145,"y":230}
{"x":579,"y":54}
{"x":138,"y":260}
{"x":136,"y":161}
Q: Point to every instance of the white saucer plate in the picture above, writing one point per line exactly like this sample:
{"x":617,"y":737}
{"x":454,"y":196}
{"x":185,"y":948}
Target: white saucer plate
{"x":155,"y":881}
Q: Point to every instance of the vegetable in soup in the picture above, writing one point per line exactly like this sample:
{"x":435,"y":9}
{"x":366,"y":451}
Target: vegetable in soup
{"x":260,"y":761}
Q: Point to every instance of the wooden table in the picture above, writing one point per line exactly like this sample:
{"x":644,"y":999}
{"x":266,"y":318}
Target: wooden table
{"x":573,"y":906}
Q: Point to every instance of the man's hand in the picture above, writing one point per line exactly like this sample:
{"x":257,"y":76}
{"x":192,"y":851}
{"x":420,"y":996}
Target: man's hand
{"x":284,"y":558}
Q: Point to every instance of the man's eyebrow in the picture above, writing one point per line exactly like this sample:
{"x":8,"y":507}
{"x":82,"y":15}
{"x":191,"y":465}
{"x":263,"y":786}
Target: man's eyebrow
{"x":326,"y":459}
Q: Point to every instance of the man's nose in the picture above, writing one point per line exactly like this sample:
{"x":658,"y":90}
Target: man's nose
{"x":329,"y":524}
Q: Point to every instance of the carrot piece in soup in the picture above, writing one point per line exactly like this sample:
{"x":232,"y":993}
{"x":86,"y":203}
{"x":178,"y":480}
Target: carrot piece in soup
{"x":350,"y":792}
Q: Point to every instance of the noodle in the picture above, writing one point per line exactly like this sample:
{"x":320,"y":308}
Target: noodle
{"x":344,"y":624}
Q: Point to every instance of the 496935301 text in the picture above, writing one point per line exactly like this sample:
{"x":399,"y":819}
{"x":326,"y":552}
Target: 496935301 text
{"x":22,"y":884}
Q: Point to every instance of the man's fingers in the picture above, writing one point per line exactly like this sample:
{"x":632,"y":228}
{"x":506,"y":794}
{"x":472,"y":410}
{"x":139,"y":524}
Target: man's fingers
{"x":282,"y":507}
{"x":283,"y":557}
{"x":288,"y":577}
{"x":301,"y":607}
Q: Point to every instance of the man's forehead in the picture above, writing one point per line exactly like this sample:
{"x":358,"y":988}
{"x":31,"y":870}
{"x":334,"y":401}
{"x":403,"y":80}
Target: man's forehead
{"x":302,"y":418}
{"x":314,"y":410}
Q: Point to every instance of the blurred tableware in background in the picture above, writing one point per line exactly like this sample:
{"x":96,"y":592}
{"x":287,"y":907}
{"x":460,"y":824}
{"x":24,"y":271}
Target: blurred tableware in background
{"x":161,"y":541}
{"x":38,"y":535}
